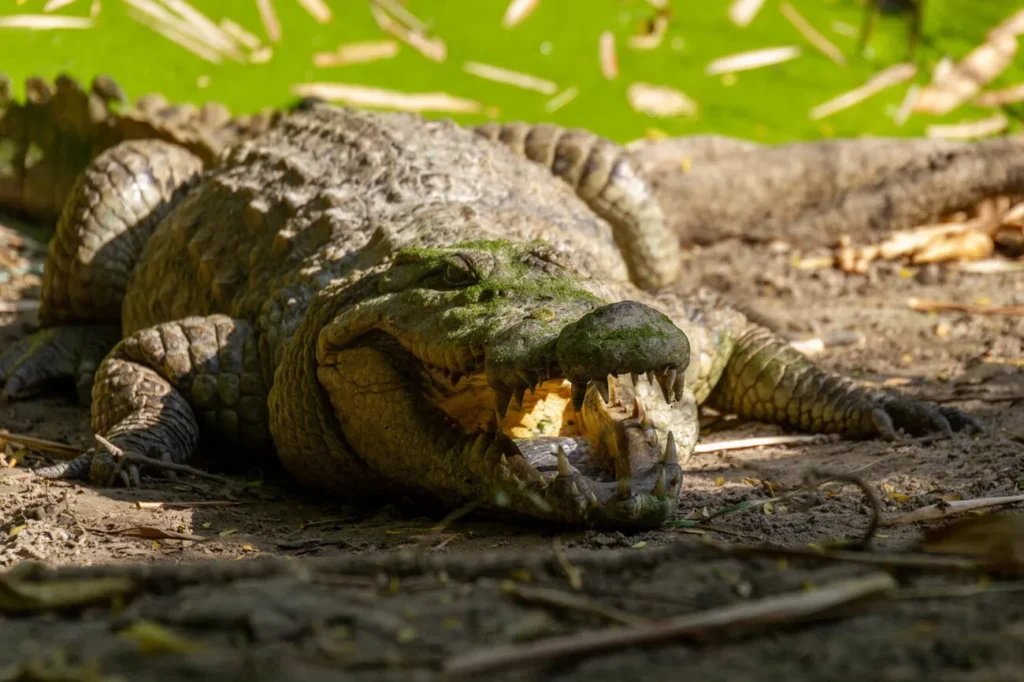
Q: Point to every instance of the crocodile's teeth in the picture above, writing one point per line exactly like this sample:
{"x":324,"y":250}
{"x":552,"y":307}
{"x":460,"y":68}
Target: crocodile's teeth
{"x":574,"y":490}
{"x":666,"y":387}
{"x":650,"y":377}
{"x":635,"y":378}
{"x":579,"y":391}
{"x":659,"y":485}
{"x":671,"y":454}
{"x":670,"y":384}
{"x":501,"y":401}
{"x":602,"y":388}
{"x":639,"y":413}
{"x":592,"y":500}
{"x":520,"y":394}
{"x":456,"y":377}
{"x":624,"y":488}
{"x":678,"y":385}
{"x":563,"y":463}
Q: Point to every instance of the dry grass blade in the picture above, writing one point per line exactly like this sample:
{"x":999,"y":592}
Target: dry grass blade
{"x":54,"y":5}
{"x":561,"y":99}
{"x":754,"y":59}
{"x":357,"y":53}
{"x":190,"y":505}
{"x":431,"y":48}
{"x":40,"y":444}
{"x":745,"y":443}
{"x":660,"y":100}
{"x":894,"y":75}
{"x":928,"y":306}
{"x":239,"y":34}
{"x":44,"y":22}
{"x":651,"y":40}
{"x":906,"y":107}
{"x":992,"y":266}
{"x":517,"y":11}
{"x":983,"y":64}
{"x":786,"y":608}
{"x":180,"y":38}
{"x":317,"y":9}
{"x":820,"y":42}
{"x":508,"y":77}
{"x":934,"y":512}
{"x":398,"y":11}
{"x":742,"y":12}
{"x":970,"y":130}
{"x":269,"y":18}
{"x":205,"y":28}
{"x":606,"y":55}
{"x":365,"y":96}
{"x":999,"y":98}
{"x":1012,"y":25}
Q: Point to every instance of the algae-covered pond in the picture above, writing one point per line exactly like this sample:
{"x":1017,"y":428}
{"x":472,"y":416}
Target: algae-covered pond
{"x":558,"y":42}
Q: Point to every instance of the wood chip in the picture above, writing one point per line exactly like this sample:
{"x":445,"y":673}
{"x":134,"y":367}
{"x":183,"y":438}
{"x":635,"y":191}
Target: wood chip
{"x":660,"y":100}
{"x":269,"y":18}
{"x":515,"y":78}
{"x":561,"y":99}
{"x":239,"y":34}
{"x":361,"y":95}
{"x":431,"y":48}
{"x":606,"y":54}
{"x":820,"y":42}
{"x":357,"y":53}
{"x":517,"y":12}
{"x":754,"y":59}
{"x":742,"y":12}
{"x":983,"y":64}
{"x":969,"y":130}
{"x":998,"y":98}
{"x":44,"y":22}
{"x":894,"y":75}
{"x":54,"y":5}
{"x":317,"y":9}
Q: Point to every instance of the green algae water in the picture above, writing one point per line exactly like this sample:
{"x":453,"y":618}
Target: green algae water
{"x":558,"y":42}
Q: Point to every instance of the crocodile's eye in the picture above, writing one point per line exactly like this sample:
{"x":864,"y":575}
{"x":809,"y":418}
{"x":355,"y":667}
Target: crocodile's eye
{"x":459,"y":272}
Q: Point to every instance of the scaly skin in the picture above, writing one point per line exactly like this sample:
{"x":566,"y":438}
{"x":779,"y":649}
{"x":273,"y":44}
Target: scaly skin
{"x":392,"y":305}
{"x":46,"y":141}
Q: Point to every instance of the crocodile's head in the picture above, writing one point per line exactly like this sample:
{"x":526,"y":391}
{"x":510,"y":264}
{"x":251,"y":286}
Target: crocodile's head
{"x":490,"y":371}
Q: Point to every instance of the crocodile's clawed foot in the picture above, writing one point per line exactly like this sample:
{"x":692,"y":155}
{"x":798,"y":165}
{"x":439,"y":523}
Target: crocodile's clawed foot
{"x":55,"y":353}
{"x":892,"y":412}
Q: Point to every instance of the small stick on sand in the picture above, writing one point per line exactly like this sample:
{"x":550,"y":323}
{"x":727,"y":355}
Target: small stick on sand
{"x":746,"y":443}
{"x":50,"y":447}
{"x":785,"y":608}
{"x":928,"y":306}
{"x":820,"y":42}
{"x":934,"y":512}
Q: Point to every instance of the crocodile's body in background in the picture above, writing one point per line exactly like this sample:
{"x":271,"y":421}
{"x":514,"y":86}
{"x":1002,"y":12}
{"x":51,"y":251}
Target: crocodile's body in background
{"x":392,"y":305}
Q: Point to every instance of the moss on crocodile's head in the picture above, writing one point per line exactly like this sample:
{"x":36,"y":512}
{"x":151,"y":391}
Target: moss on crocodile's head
{"x":473,"y":328}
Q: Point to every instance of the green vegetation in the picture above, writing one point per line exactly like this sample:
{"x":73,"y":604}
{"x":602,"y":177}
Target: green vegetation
{"x":559,"y":41}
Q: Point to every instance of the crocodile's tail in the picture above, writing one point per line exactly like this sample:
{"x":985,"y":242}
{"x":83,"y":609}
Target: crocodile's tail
{"x":47,"y":141}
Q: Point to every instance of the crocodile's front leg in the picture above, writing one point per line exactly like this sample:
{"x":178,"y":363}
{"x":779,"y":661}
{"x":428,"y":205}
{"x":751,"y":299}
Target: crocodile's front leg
{"x":602,"y":174}
{"x":160,"y":387}
{"x":767,"y":379}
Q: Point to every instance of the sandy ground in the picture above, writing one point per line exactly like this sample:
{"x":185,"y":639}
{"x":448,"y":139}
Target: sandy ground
{"x":378,"y":628}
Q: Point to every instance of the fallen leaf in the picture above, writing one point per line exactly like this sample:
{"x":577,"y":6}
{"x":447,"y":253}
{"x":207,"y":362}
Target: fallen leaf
{"x":154,"y":638}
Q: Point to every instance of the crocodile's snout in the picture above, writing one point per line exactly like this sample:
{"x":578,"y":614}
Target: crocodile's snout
{"x":622,"y":338}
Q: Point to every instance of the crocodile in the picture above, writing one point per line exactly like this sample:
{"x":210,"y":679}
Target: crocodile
{"x":388,"y":305}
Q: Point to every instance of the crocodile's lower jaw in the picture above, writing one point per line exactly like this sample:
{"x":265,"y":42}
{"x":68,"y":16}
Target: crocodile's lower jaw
{"x":618,"y":447}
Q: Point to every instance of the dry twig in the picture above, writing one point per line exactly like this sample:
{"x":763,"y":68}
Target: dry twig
{"x":135,"y":458}
{"x":934,"y":512}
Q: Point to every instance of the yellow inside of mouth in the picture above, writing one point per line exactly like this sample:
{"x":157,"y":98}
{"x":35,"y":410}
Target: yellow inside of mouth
{"x":546,"y":411}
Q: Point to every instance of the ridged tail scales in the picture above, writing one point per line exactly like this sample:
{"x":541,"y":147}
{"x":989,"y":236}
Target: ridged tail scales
{"x":602,"y":174}
{"x":767,"y":379}
{"x":47,"y":140}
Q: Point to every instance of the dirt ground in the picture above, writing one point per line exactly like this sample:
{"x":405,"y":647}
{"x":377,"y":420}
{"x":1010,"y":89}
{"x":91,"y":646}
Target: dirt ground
{"x":369,"y":623}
